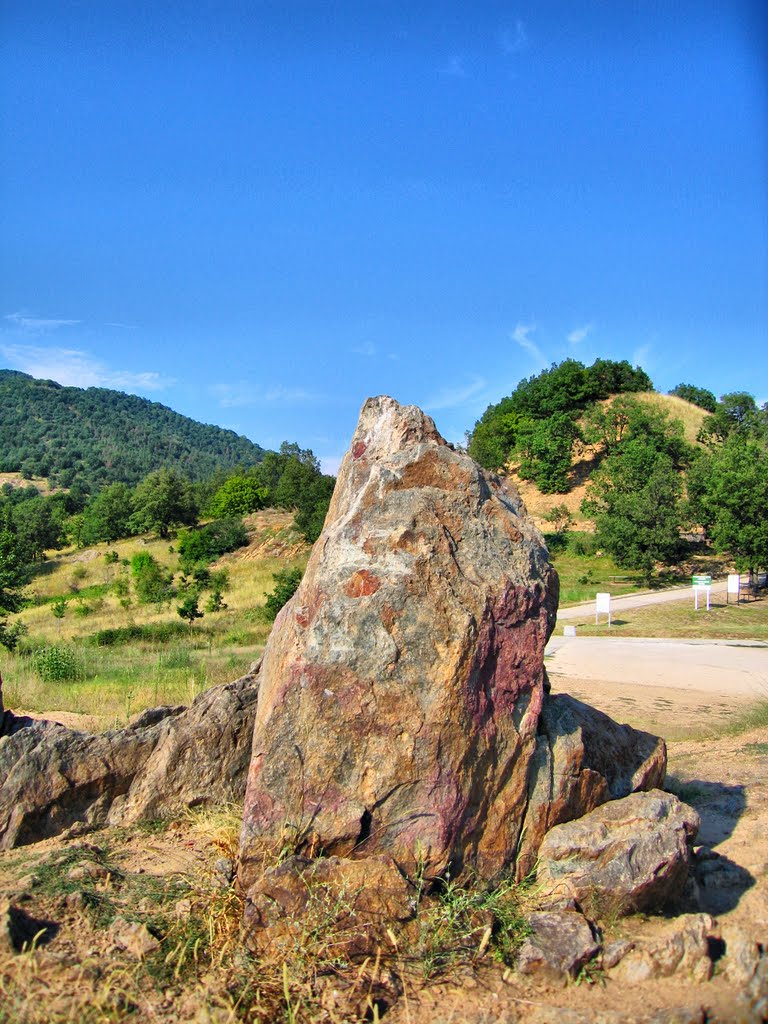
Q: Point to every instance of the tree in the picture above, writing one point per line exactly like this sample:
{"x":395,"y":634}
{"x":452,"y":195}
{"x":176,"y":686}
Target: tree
{"x":164,"y":499}
{"x":697,"y":396}
{"x":635,"y":501}
{"x":736,"y":411}
{"x":108,"y":515}
{"x":728,"y":495}
{"x":237,"y":497}
{"x":547,"y":447}
{"x":14,"y":575}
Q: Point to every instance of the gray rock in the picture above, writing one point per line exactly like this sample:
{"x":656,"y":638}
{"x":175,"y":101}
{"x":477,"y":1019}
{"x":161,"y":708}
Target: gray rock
{"x":560,"y":944}
{"x":630,"y":854}
{"x":166,"y":760}
{"x":682,"y":949}
{"x":615,"y":952}
{"x":583,"y":759}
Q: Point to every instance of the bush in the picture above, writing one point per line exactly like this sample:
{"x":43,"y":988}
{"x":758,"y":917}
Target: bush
{"x":286,"y":584}
{"x":583,"y":544}
{"x":154,"y":585}
{"x":155,"y":632}
{"x":57,"y":664}
{"x":209,"y":542}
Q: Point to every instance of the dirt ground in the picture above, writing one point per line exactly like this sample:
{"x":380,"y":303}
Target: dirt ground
{"x":80,"y":972}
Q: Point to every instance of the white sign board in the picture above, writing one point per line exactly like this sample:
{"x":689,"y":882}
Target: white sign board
{"x":734,"y":583}
{"x":603,"y":605}
{"x":707,"y":587}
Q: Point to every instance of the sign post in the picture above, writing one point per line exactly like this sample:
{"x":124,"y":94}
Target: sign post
{"x":734,"y":586}
{"x":701,"y":583}
{"x":603,"y":604}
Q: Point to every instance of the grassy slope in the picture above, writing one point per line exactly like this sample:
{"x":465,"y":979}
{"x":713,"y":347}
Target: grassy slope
{"x":115,"y":682}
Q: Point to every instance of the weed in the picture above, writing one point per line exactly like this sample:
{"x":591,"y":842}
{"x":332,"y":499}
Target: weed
{"x":465,"y":920}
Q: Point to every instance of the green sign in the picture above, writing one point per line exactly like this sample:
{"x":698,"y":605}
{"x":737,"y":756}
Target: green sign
{"x":702,"y":581}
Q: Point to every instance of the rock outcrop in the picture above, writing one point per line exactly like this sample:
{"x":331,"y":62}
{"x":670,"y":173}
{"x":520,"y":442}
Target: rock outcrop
{"x":169,"y":758}
{"x":401,"y":686}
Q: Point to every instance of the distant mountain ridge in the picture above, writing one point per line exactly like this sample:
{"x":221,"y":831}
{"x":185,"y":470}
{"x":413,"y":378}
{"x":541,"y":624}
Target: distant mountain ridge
{"x":97,"y":436}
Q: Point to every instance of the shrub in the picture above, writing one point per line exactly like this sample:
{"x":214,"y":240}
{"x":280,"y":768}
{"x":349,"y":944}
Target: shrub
{"x":286,"y":585}
{"x":56,"y":663}
{"x":154,"y":585}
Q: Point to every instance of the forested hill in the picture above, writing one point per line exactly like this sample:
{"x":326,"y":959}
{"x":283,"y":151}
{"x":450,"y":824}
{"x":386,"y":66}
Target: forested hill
{"x":96,"y":436}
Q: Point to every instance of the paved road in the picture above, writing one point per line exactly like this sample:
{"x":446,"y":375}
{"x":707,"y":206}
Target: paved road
{"x":578,"y":611}
{"x":728,"y":667}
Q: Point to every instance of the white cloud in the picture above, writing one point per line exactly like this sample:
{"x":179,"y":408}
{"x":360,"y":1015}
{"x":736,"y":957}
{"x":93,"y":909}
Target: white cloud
{"x":449,"y":398}
{"x":520,"y":335}
{"x":579,"y":333}
{"x":73,"y":367}
{"x":237,"y":397}
{"x":516,"y":40}
{"x":37,"y":324}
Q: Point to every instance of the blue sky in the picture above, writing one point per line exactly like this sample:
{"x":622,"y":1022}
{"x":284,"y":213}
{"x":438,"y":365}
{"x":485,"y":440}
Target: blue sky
{"x":261,"y":213}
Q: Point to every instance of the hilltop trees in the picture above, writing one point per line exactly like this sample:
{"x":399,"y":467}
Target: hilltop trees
{"x":537,"y":422}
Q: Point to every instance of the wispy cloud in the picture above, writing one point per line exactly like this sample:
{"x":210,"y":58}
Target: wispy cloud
{"x":515,"y":40}
{"x":642,"y":356}
{"x":449,"y":398}
{"x":37,"y":324}
{"x":579,"y":333}
{"x":73,"y":367}
{"x":454,"y":68}
{"x":230,"y":397}
{"x":123,"y":327}
{"x":521,"y":336}
{"x":366,"y":348}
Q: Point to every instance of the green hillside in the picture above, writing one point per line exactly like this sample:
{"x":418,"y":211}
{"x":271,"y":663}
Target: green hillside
{"x":96,"y":436}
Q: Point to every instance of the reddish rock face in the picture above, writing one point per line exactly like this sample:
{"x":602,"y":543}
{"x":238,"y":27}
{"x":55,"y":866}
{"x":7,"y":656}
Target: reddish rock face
{"x":401,"y":687}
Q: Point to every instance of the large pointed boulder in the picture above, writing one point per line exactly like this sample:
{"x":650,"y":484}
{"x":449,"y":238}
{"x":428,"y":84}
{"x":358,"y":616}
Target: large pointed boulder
{"x":401,"y":687}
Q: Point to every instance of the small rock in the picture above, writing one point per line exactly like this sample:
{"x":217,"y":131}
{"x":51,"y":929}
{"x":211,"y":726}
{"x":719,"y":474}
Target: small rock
{"x":133,"y":937}
{"x":183,"y":909}
{"x":682,"y":950}
{"x":614,"y":952}
{"x":224,"y":871}
{"x":74,"y":901}
{"x":742,"y":955}
{"x":560,"y":944}
{"x":145,"y":905}
{"x":7,"y":929}
{"x":87,"y":869}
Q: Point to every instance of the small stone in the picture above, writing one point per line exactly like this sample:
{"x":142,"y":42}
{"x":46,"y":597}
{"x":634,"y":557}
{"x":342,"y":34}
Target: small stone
{"x":87,"y":869}
{"x":74,"y":901}
{"x":560,"y":944}
{"x":742,"y":955}
{"x":183,"y":909}
{"x":145,"y":905}
{"x":224,"y":870}
{"x":133,"y":937}
{"x":614,"y":952}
